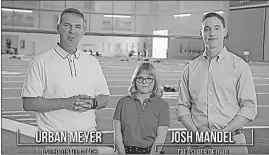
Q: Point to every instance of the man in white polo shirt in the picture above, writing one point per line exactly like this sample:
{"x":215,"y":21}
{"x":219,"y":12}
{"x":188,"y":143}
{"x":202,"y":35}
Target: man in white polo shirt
{"x":65,"y":86}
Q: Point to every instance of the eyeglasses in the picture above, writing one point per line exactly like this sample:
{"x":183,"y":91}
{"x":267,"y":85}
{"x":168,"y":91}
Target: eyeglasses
{"x":141,"y":79}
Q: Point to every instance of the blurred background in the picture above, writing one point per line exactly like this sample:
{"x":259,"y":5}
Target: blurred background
{"x":157,"y":29}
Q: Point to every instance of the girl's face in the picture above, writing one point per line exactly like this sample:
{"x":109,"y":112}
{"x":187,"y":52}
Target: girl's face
{"x":144,"y":82}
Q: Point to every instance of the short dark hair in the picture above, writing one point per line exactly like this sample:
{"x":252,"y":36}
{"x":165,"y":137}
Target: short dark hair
{"x":214,"y":14}
{"x":72,"y":11}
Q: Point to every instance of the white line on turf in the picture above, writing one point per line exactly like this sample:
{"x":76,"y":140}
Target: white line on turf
{"x":263,"y":93}
{"x":11,"y":88}
{"x":109,"y":108}
{"x":25,"y":129}
{"x":14,"y":69}
{"x":257,"y":74}
{"x":175,"y":93}
{"x":119,"y":80}
{"x":112,"y":80}
{"x":118,"y":67}
{"x":20,"y":115}
{"x":120,"y":95}
{"x":7,"y":72}
{"x":11,"y":98}
{"x":245,"y":127}
{"x":108,"y":86}
{"x":260,"y":77}
{"x":26,"y":119}
{"x":104,"y":67}
{"x":266,"y":84}
{"x":29,"y":130}
{"x":15,"y":111}
{"x":13,"y":126}
{"x":259,"y":106}
{"x":112,"y":75}
{"x":263,"y":106}
{"x":12,"y":81}
{"x":19,"y":76}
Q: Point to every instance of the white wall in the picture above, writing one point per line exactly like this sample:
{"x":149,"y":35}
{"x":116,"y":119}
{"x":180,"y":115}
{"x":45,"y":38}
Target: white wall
{"x":245,"y":32}
{"x":107,"y":45}
{"x":14,"y":42}
{"x":266,"y":41}
{"x":179,"y":48}
{"x":186,"y":26}
{"x":43,"y":42}
{"x":138,"y":23}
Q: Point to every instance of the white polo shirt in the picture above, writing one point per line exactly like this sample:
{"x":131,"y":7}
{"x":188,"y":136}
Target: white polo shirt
{"x":58,"y":74}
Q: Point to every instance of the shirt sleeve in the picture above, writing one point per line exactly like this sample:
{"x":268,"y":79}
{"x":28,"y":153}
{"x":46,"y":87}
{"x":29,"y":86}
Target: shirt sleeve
{"x":184,"y":97}
{"x":164,"y":117}
{"x":118,"y":110}
{"x":34,"y":82}
{"x":101,"y":86}
{"x":246,"y":93}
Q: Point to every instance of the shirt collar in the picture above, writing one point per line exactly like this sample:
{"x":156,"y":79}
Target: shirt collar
{"x":220,"y":56}
{"x":205,"y":55}
{"x":63,"y":53}
{"x":152,"y":97}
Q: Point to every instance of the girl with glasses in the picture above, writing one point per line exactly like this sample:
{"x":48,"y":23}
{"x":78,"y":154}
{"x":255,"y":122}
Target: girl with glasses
{"x":142,"y":118}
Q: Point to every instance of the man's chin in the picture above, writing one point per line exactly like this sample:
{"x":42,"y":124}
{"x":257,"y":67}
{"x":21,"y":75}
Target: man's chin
{"x":212,"y":46}
{"x":72,"y":42}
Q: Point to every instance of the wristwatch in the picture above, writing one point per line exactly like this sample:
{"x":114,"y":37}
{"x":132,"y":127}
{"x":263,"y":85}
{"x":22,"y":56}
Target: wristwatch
{"x":95,"y":103}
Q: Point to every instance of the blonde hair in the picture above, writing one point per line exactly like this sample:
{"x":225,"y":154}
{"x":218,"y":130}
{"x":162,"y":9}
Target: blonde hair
{"x":145,"y":66}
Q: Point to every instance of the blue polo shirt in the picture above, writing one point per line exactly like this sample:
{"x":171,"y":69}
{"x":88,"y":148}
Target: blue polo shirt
{"x":139,"y":122}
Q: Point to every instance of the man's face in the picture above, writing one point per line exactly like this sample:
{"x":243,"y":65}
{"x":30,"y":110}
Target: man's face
{"x":213,"y":32}
{"x":71,"y":29}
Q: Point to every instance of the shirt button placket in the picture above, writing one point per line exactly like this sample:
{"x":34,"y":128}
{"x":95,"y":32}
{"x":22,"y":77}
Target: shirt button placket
{"x":144,"y":104}
{"x":209,"y":112}
{"x":210,"y":95}
{"x":210,"y":80}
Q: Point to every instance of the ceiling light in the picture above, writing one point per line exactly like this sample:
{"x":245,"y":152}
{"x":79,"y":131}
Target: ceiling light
{"x":17,"y":10}
{"x":182,"y":15}
{"x":218,"y":12}
{"x":117,"y":16}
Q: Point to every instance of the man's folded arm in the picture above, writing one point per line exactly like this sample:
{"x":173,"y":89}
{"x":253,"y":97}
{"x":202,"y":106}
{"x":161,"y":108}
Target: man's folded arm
{"x":184,"y":102}
{"x":246,"y":94}
{"x":247,"y":99}
{"x":247,"y":113}
{"x":40,"y":104}
{"x":101,"y":88}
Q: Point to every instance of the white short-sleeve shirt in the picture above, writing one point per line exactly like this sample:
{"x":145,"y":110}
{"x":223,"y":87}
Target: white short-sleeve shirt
{"x":58,"y":74}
